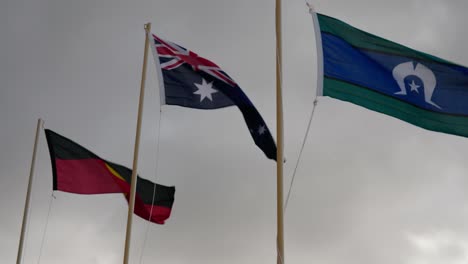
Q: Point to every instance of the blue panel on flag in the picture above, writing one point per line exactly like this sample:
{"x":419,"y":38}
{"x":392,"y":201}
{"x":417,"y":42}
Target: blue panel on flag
{"x":427,"y":84}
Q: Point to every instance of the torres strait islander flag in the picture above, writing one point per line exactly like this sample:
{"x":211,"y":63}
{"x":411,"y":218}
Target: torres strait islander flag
{"x":389,"y":78}
{"x":78,"y":170}
{"x":189,"y":80}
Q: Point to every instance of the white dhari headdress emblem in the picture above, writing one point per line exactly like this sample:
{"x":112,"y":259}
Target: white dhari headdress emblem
{"x":405,"y":69}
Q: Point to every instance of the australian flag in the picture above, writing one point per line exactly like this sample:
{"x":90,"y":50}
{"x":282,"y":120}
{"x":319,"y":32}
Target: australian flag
{"x":189,"y":80}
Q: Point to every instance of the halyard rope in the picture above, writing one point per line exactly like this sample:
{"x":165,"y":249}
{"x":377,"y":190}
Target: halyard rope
{"x":154,"y":189}
{"x":303,"y":142}
{"x":45,"y":229}
{"x":300,"y":155}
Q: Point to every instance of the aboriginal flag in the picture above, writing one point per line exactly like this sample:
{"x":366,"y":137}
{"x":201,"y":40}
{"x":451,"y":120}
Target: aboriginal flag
{"x":78,"y":170}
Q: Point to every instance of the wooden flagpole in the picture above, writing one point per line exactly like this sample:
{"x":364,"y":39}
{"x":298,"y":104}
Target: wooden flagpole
{"x":279,"y":137}
{"x":131,"y":201}
{"x":28,"y":195}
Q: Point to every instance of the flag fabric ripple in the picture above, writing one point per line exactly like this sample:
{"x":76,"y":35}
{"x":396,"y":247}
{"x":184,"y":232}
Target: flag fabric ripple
{"x":78,"y":170}
{"x":390,"y":78}
{"x":189,"y":80}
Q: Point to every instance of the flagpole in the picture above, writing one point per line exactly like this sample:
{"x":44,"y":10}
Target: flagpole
{"x":279,"y":136}
{"x":28,"y":195}
{"x":131,"y":201}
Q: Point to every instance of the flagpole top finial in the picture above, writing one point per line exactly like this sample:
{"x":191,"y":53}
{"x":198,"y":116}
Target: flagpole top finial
{"x":147,"y":26}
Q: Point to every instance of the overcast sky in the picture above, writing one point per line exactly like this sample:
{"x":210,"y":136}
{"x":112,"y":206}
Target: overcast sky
{"x":370,"y":188}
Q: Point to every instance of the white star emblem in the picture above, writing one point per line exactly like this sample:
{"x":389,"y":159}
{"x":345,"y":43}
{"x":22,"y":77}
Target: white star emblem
{"x":414,"y":87}
{"x":205,"y":90}
{"x":261,"y":130}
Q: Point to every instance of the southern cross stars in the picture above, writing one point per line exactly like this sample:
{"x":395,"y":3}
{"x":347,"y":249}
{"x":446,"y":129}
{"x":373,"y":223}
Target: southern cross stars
{"x":205,"y":90}
{"x":261,"y":130}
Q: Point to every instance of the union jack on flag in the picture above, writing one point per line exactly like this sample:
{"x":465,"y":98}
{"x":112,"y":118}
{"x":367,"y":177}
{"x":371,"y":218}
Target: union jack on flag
{"x":189,"y":80}
{"x":177,"y":55}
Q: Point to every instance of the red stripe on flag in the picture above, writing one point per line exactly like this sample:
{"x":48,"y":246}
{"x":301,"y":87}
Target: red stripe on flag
{"x":162,"y":50}
{"x":85,"y":176}
{"x":158,"y":215}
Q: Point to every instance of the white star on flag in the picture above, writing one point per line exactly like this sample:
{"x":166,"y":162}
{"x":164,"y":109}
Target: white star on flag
{"x":205,"y":90}
{"x":414,"y":86}
{"x":261,"y":130}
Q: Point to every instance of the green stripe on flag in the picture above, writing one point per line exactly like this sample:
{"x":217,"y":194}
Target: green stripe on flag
{"x":451,"y":124}
{"x":363,"y":40}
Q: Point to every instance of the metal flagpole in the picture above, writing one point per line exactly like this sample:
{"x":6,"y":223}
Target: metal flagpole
{"x":131,"y":201}
{"x":279,"y":137}
{"x":28,"y":195}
